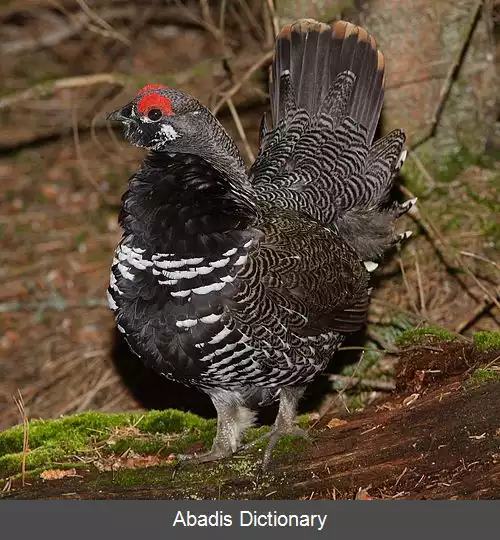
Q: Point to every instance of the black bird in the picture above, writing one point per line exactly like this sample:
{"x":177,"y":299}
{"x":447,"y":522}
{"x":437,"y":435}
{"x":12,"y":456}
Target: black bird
{"x":243,"y":283}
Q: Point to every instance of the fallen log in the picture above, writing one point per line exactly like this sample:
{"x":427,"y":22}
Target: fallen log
{"x":437,"y":437}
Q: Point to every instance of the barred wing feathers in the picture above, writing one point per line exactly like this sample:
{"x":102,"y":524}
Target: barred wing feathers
{"x":302,"y":278}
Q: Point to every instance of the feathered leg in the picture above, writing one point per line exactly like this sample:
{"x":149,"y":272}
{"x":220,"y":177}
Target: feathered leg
{"x":233,"y":419}
{"x":285,"y":423}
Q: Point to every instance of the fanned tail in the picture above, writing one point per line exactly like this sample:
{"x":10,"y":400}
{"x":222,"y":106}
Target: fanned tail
{"x":326,"y":91}
{"x":314,"y":54}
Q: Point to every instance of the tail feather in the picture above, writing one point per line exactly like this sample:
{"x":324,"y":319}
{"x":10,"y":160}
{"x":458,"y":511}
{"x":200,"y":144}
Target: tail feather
{"x":337,"y":100}
{"x":315,"y":54}
{"x":326,"y":91}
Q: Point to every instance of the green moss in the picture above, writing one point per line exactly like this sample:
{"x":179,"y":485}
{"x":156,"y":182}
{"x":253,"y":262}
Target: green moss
{"x":490,"y":157}
{"x":443,"y":163}
{"x":254,"y":433}
{"x":483,"y":376}
{"x":243,"y":466}
{"x":358,"y":400}
{"x":171,"y":421}
{"x":290,"y":444}
{"x":53,"y":441}
{"x":140,"y":446}
{"x":151,"y":476}
{"x":487,"y":341}
{"x":180,"y":476}
{"x":68,"y":432}
{"x":415,"y":335}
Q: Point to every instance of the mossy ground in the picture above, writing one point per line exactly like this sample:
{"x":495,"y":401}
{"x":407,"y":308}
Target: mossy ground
{"x":483,"y":341}
{"x":53,"y":442}
{"x":416,"y":335}
{"x":487,"y":341}
{"x":482,"y":376}
{"x":84,"y":438}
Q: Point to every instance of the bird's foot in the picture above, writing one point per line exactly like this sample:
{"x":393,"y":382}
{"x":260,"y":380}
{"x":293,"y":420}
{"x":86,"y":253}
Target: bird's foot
{"x":216,"y":453}
{"x":273,"y":436}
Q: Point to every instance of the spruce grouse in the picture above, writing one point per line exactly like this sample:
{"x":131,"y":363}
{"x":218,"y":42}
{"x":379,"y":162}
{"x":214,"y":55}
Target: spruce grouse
{"x":243,"y":283}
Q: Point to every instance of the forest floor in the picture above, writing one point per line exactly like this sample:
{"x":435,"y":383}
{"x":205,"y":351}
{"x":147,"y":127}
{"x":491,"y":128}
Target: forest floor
{"x":436,"y":437}
{"x":63,"y":171}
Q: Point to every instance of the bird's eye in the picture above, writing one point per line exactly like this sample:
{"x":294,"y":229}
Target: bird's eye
{"x":155,"y":114}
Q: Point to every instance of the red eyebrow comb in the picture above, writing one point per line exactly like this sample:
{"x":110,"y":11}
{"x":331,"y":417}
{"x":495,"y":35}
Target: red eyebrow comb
{"x":154,"y":100}
{"x":149,"y":87}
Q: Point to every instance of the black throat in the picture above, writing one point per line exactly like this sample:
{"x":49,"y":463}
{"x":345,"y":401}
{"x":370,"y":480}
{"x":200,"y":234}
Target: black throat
{"x":180,"y":202}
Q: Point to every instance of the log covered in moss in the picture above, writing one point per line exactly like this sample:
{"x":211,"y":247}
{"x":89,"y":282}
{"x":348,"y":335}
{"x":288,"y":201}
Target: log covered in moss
{"x":437,"y":437}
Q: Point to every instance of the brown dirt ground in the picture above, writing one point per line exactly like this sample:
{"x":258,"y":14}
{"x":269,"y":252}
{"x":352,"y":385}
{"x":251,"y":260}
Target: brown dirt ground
{"x":61,"y":186}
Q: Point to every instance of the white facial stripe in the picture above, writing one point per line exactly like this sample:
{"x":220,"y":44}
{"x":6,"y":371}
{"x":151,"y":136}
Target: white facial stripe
{"x":165,"y":134}
{"x":169,"y":132}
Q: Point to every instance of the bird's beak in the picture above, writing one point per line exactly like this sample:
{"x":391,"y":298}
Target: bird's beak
{"x":117,"y":116}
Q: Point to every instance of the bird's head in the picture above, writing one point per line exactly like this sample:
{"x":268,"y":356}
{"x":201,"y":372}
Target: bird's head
{"x":161,"y":118}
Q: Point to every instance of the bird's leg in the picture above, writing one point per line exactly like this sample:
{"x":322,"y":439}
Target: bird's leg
{"x":232,"y":420}
{"x":284,"y":424}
